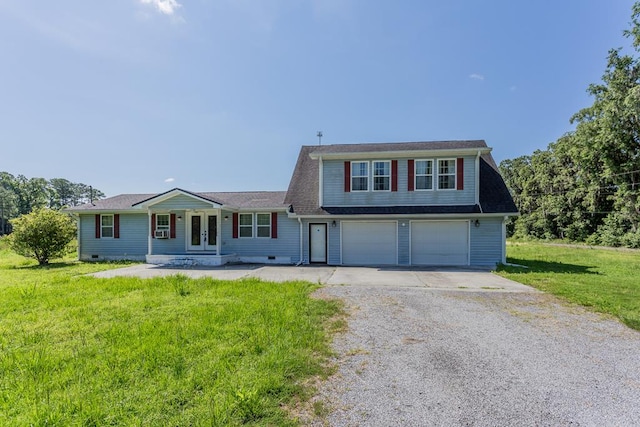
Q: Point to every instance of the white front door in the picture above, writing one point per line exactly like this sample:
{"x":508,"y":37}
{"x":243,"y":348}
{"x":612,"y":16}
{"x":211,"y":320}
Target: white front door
{"x":318,"y":242}
{"x":201,"y":231}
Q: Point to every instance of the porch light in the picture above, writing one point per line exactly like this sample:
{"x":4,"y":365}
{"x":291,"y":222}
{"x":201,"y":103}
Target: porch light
{"x":226,"y":217}
{"x":477,"y":223}
{"x":179,"y":217}
{"x":333,"y":223}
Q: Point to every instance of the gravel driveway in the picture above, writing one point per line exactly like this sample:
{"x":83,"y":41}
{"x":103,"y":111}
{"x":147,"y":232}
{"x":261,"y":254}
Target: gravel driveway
{"x":415,"y":356}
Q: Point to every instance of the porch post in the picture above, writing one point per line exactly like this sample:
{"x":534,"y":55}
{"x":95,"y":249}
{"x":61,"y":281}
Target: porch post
{"x":219,"y":232}
{"x":149,"y":237}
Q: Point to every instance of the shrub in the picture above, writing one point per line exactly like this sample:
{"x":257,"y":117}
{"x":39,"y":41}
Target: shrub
{"x":43,"y":234}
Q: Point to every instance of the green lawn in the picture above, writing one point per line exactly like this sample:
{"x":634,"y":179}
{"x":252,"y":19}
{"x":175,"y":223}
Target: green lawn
{"x":78,"y":350}
{"x":608,"y":281}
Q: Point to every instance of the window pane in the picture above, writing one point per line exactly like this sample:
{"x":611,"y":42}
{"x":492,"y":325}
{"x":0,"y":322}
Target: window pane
{"x":381,"y":183}
{"x":107,"y":231}
{"x":246,"y":219}
{"x":264,"y":219}
{"x":446,"y":167}
{"x":424,"y":182}
{"x":107,"y":220}
{"x":162,"y":220}
{"x":359,"y":184}
{"x":245,"y":232}
{"x":212,"y":229}
{"x":264,"y":231}
{"x":446,"y":182}
{"x":381,"y":168}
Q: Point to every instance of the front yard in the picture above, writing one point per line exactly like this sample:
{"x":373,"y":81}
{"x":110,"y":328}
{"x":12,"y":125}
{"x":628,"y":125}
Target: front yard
{"x":77,"y":350}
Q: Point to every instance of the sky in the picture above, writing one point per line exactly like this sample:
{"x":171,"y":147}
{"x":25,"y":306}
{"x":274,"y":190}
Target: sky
{"x":141,"y":96}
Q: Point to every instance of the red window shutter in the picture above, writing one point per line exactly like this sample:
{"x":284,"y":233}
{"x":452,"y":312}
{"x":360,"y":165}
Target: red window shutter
{"x":347,"y":177}
{"x":98,"y":226}
{"x":460,"y":174}
{"x":411,"y":175}
{"x":116,"y":226}
{"x":235,"y":225}
{"x":153,"y":225}
{"x":274,"y":225}
{"x":394,"y":175}
{"x":172,"y":226}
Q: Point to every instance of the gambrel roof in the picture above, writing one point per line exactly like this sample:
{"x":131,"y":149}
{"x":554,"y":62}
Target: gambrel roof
{"x":302,"y":194}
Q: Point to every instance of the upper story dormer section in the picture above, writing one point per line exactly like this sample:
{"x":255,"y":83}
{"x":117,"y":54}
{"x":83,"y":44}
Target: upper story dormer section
{"x":399,"y":174}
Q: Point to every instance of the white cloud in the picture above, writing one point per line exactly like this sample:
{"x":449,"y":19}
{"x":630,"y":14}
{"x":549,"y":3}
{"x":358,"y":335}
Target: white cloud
{"x":168,"y":7}
{"x":475,"y":76}
{"x":169,"y":180}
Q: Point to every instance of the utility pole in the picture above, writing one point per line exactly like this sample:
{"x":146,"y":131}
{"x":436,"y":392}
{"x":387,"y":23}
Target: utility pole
{"x":319,"y":135}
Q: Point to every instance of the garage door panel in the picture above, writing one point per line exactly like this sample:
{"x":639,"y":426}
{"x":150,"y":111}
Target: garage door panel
{"x":369,"y":243}
{"x":440,"y":243}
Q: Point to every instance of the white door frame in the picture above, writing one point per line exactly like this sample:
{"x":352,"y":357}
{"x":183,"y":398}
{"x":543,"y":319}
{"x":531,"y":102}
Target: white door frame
{"x":322,"y":257}
{"x":204,"y":238}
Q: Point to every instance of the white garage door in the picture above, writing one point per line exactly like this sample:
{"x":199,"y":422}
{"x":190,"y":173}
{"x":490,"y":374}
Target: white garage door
{"x":440,"y":242}
{"x":369,"y":243}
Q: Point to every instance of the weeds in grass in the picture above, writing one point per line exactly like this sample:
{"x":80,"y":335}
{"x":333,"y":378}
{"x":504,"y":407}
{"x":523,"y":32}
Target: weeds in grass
{"x":76,"y":350}
{"x":605,"y":280}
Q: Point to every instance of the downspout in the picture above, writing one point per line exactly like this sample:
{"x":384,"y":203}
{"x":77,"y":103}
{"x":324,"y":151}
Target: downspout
{"x":77,"y":236}
{"x":301,"y":243}
{"x":504,"y":239}
{"x":149,"y":238}
{"x":477,"y":195}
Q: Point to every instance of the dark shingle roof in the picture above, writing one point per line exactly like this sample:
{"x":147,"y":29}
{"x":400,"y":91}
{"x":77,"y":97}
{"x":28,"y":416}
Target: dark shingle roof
{"x":241,"y":200}
{"x":398,"y":146}
{"x":494,"y":194}
{"x":303,"y":188}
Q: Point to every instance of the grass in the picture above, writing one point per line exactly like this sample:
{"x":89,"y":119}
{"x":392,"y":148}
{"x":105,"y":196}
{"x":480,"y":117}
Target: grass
{"x":77,"y":350}
{"x":605,"y":280}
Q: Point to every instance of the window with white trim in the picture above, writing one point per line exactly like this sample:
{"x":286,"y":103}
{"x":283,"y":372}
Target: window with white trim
{"x":245,"y":225}
{"x":446,"y":174}
{"x":263,"y":225}
{"x":359,"y":176}
{"x":381,"y":175}
{"x":106,"y":225}
{"x":162,"y":221}
{"x":424,"y":174}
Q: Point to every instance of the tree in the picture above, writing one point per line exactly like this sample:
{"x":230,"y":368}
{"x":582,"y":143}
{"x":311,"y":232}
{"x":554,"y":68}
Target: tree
{"x":43,"y":234}
{"x":586,"y":185}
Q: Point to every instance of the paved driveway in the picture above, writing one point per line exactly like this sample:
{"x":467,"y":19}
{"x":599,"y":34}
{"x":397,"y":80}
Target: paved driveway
{"x":463,"y":279}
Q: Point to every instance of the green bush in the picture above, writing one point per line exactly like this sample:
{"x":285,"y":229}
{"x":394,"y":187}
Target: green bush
{"x":43,"y":234}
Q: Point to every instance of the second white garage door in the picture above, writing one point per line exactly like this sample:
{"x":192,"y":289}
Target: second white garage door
{"x":440,"y":242}
{"x":369,"y":243}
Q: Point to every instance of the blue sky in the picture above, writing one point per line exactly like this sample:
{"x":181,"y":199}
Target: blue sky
{"x":136,"y":96}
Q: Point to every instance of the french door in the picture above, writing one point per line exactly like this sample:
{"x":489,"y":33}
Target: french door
{"x":202,"y":231}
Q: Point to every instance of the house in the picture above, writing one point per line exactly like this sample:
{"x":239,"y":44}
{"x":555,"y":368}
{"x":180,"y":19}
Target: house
{"x":415,"y":203}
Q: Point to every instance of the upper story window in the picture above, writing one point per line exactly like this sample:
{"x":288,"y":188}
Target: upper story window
{"x":381,"y":175}
{"x":263,"y":224}
{"x":162,"y":221}
{"x":245,"y":225}
{"x":446,"y":174}
{"x":424,"y":175}
{"x":359,"y":176}
{"x":106,"y":225}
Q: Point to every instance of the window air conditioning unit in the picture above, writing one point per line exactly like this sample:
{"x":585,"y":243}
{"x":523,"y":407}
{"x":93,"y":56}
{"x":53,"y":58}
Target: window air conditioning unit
{"x":162,"y":234}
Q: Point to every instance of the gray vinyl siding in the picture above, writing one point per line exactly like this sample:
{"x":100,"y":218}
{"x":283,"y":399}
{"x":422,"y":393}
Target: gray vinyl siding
{"x":180,"y":202}
{"x":286,"y":245}
{"x":172,"y":246}
{"x":486,"y":242}
{"x":334,"y":194}
{"x":131,"y":244}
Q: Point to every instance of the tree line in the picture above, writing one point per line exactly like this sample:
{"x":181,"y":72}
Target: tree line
{"x":20,"y":195}
{"x":584,"y":186}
